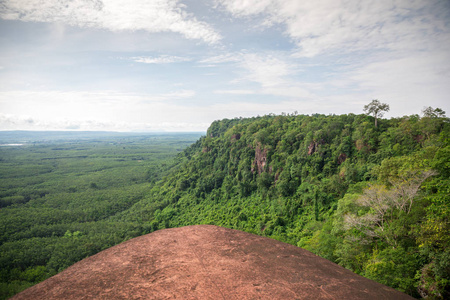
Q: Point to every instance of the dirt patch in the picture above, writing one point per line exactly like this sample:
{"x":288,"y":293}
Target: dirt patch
{"x":207,"y":262}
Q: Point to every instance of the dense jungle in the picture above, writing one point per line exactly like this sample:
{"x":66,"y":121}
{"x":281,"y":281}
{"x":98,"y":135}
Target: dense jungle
{"x":367,"y":193}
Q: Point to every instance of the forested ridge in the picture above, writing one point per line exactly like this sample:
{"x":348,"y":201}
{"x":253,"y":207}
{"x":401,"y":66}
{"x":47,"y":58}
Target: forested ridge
{"x":372,"y":197}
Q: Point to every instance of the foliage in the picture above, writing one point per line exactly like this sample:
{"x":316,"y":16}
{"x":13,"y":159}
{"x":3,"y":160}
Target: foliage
{"x":334,"y":185}
{"x":395,"y":267}
{"x":57,"y":197}
{"x":373,"y":198}
{"x":377,"y":109}
{"x":429,"y":112}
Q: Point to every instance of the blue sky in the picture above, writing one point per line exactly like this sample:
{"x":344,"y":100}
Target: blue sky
{"x":172,"y":65}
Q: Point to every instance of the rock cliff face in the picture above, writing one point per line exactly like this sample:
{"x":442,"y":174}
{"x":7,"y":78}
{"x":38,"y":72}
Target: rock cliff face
{"x":260,"y":158}
{"x":207,"y":262}
{"x":313,"y":146}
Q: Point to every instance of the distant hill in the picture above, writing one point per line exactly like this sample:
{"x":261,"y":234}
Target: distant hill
{"x":207,"y":262}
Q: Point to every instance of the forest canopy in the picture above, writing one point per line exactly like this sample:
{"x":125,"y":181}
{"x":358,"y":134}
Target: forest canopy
{"x":372,"y":197}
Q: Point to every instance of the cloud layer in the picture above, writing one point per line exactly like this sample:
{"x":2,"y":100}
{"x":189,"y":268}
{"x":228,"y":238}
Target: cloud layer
{"x":101,"y":110}
{"x":330,"y":26}
{"x":115,"y":15}
{"x":162,"y":64}
{"x":162,"y":59}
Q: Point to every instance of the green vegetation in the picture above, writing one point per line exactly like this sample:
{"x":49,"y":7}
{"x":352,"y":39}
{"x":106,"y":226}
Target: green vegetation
{"x":58,"y":192}
{"x":377,"y":109}
{"x":372,"y":199}
{"x":370,"y":196}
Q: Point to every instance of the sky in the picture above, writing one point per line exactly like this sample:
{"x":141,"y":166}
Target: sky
{"x":178,"y":65}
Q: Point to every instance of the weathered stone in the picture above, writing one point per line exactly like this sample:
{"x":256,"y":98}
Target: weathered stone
{"x":207,"y":262}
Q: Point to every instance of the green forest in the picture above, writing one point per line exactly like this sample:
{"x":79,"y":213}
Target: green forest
{"x":59,"y":190}
{"x":368,"y":193}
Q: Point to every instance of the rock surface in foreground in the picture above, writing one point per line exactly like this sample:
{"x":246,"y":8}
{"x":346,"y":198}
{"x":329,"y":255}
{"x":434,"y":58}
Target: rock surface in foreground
{"x":207,"y":262}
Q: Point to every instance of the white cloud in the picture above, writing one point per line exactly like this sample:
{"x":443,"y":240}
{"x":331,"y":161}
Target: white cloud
{"x":104,"y":110}
{"x":393,"y":50}
{"x":268,"y":70}
{"x":222,"y":58}
{"x":15,"y":122}
{"x":236,"y":92}
{"x":334,"y":57}
{"x":274,"y":74}
{"x":343,"y":26}
{"x":418,"y":80}
{"x":102,"y":105}
{"x":246,"y":7}
{"x":179,"y":94}
{"x":109,"y":110}
{"x":114,"y":15}
{"x":163,"y":59}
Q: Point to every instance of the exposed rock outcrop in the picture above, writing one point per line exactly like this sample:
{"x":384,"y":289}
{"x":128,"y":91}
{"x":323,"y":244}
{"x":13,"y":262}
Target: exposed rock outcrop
{"x":207,"y":262}
{"x":313,"y":146}
{"x":341,"y":158}
{"x":235,"y":137}
{"x":260,"y":159}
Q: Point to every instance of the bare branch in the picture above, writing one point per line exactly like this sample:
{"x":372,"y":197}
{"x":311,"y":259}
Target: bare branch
{"x":383,"y":204}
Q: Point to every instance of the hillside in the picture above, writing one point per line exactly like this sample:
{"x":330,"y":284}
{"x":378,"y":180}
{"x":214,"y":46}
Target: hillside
{"x":207,"y":262}
{"x":372,"y":199}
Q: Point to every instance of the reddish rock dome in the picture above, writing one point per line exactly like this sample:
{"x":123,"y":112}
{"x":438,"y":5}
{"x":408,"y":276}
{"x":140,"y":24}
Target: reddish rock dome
{"x":207,"y":262}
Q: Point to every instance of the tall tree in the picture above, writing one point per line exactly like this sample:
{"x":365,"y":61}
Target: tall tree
{"x":430,"y":112}
{"x":376,"y":108}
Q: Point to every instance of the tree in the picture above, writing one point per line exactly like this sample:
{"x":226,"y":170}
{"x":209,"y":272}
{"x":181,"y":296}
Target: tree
{"x":433,"y":119}
{"x":376,"y":108}
{"x":386,"y":206}
{"x":430,"y":112}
